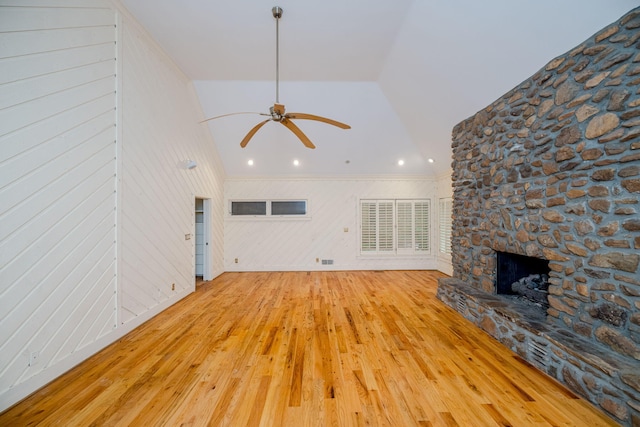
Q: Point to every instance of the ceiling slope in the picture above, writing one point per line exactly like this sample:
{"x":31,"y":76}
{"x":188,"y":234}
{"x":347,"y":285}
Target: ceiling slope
{"x":401,"y":73}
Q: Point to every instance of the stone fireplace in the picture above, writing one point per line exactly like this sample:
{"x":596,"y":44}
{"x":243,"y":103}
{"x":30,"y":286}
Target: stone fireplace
{"x":551,"y":172}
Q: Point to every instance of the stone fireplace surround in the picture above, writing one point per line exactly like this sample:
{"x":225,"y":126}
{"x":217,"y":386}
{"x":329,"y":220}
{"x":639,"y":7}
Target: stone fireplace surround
{"x":552,"y":170}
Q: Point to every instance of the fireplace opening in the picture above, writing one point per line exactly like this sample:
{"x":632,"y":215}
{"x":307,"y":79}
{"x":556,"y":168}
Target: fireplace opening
{"x":524,"y":277}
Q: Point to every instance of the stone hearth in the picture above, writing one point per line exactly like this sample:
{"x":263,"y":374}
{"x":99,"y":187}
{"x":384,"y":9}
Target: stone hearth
{"x":552,"y":171}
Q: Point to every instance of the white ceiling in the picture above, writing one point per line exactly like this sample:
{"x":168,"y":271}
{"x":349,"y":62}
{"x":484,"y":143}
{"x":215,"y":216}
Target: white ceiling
{"x":402,"y":73}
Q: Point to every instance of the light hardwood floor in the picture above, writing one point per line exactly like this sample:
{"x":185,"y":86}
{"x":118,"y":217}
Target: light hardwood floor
{"x":307,"y":349}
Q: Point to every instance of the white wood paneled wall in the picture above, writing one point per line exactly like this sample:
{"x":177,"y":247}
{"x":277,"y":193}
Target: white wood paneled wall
{"x":57,"y":184}
{"x":294,"y":244}
{"x":96,"y":123}
{"x":160,"y":131}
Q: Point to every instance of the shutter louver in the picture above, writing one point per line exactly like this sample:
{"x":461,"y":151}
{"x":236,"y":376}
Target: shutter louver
{"x":368,"y":233}
{"x":385,"y":224}
{"x":421,"y":232}
{"x":405,"y":226}
{"x":445,"y":226}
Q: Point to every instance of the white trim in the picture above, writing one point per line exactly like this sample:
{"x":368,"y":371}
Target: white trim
{"x":333,"y":178}
{"x":119,"y":167}
{"x":335,"y":267}
{"x":133,"y":22}
{"x":268,"y":215}
{"x":23,"y":389}
{"x":445,"y":175}
{"x":207,"y":267}
{"x":233,"y":218}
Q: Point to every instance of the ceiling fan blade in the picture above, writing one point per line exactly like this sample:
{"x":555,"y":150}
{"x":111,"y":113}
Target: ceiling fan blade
{"x":317,"y":118}
{"x":233,"y":114}
{"x":252,"y":132}
{"x":296,"y":130}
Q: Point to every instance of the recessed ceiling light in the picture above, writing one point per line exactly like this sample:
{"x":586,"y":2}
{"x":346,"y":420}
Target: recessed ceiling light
{"x":250,"y":162}
{"x":296,"y":162}
{"x":430,"y":160}
{"x":400,"y":162}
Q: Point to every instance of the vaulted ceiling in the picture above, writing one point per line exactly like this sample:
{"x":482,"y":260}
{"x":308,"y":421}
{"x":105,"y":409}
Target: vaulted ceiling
{"x":402,"y":73}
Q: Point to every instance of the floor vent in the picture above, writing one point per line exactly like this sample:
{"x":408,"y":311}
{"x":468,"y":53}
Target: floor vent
{"x":461,"y":304}
{"x":538,"y":353}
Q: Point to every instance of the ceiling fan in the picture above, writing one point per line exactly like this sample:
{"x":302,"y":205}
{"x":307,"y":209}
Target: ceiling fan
{"x":277,"y":112}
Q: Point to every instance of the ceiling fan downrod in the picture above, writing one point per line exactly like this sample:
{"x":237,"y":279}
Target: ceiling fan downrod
{"x":277,"y":13}
{"x":277,"y":111}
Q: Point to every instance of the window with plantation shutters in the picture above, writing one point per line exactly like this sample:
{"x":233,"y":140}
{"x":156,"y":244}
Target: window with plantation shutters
{"x":444,"y":225}
{"x":368,"y":227}
{"x":376,"y":226}
{"x":394,"y":227}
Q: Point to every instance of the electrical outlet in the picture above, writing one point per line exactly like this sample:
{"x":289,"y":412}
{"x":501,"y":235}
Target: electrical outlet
{"x":33,"y":358}
{"x":173,"y":286}
{"x":187,"y":236}
{"x":317,"y":259}
{"x":236,"y":261}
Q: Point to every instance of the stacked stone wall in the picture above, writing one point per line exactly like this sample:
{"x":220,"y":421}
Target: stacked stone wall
{"x":552,"y":170}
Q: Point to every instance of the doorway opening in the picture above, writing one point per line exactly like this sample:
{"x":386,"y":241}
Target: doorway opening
{"x":202,"y":233}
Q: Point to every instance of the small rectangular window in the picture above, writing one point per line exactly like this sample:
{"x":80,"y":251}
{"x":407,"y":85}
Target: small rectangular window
{"x":291,"y":207}
{"x":249,"y":208}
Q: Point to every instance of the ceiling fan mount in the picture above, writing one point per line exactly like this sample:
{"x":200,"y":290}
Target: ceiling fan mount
{"x":277,"y":111}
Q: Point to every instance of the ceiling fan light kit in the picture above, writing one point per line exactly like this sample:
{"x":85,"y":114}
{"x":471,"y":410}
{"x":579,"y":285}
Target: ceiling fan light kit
{"x":277,"y":111}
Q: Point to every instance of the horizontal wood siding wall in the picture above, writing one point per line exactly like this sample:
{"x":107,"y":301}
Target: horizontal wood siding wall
{"x":57,"y":185}
{"x":294,"y":244}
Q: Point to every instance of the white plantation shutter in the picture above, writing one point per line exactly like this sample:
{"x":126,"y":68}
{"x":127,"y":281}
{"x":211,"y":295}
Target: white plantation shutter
{"x":444,"y":225}
{"x":368,"y":229}
{"x":404,"y":216}
{"x":394,"y":227}
{"x":385,"y":226}
{"x":376,"y":226}
{"x":421,"y":226}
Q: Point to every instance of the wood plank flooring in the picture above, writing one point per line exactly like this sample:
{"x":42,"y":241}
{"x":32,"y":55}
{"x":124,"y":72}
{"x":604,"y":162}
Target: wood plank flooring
{"x":307,"y":349}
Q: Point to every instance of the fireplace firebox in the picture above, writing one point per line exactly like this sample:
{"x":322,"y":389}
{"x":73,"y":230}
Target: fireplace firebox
{"x":523,"y":277}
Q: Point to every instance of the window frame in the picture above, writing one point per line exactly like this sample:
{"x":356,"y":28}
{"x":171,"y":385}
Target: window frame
{"x":231,"y":210}
{"x":406,"y":235}
{"x":268,"y":215}
{"x":271,"y":202}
